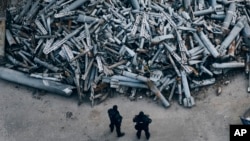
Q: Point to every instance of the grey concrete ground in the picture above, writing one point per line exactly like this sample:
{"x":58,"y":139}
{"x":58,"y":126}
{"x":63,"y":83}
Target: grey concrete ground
{"x":24,"y":117}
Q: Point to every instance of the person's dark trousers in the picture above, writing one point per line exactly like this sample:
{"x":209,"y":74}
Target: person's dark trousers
{"x":111,"y":126}
{"x":138,"y":134}
{"x":118,"y":129}
{"x":147,"y":133}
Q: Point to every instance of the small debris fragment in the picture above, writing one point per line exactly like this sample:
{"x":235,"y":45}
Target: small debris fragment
{"x":219,"y":91}
{"x":227,"y":82}
{"x":69,"y":115}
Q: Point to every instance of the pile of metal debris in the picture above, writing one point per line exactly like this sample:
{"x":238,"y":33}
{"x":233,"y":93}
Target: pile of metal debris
{"x":161,"y":48}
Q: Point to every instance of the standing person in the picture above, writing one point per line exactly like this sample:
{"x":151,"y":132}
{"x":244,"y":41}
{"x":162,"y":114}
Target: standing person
{"x":142,"y":121}
{"x":115,"y":120}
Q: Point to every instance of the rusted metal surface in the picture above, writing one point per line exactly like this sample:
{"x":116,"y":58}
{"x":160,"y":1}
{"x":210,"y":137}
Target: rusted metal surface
{"x":2,"y":38}
{"x":3,"y":7}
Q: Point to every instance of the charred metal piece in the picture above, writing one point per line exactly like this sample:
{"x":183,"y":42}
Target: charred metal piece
{"x":188,"y":101}
{"x":155,"y":90}
{"x":227,"y":65}
{"x":135,"y":4}
{"x":234,"y":32}
{"x":210,"y":10}
{"x":230,"y":12}
{"x":47,"y":65}
{"x":202,"y":83}
{"x":210,"y":47}
{"x":58,"y":44}
{"x":87,"y":19}
{"x":10,"y":38}
{"x":74,"y":5}
{"x":40,"y":26}
{"x":178,"y":59}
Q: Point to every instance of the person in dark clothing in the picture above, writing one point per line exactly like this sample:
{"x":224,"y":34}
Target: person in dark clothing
{"x":115,"y":120}
{"x":142,"y":121}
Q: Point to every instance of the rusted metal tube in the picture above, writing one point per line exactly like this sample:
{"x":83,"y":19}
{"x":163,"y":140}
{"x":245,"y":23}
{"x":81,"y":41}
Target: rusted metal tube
{"x":47,"y":65}
{"x":204,"y":12}
{"x":210,"y":47}
{"x":202,"y":83}
{"x":156,"y":91}
{"x":124,"y":78}
{"x":74,"y":5}
{"x":234,"y":32}
{"x":246,"y":34}
{"x":218,"y":17}
{"x":133,"y":84}
{"x":187,"y":4}
{"x":10,"y":38}
{"x":123,"y":81}
{"x":172,"y":91}
{"x":135,"y":4}
{"x":87,"y":19}
{"x":227,"y":65}
{"x":230,"y":12}
{"x":213,"y":3}
{"x":2,"y":37}
{"x":135,"y":76}
{"x":188,"y":100}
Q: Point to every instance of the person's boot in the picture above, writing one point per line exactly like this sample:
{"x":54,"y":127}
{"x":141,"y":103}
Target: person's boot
{"x":111,"y":129}
{"x":148,"y":136}
{"x":121,"y":134}
{"x":138,"y":135}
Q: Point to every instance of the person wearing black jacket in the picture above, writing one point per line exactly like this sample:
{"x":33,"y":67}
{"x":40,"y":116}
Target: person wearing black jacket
{"x":115,"y":120}
{"x":142,"y":122}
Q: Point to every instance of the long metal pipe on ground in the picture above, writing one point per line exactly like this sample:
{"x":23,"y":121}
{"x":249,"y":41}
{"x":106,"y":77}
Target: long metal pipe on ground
{"x":25,"y":79}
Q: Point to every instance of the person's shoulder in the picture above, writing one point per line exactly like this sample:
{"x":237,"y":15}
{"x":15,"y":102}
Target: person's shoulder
{"x":136,"y":116}
{"x":147,"y":118}
{"x":110,"y":110}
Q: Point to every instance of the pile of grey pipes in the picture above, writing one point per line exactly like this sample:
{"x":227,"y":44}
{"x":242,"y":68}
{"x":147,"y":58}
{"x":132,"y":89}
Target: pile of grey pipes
{"x":160,"y":48}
